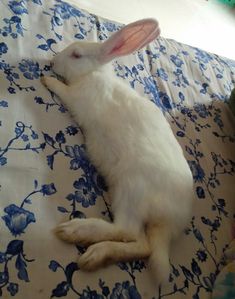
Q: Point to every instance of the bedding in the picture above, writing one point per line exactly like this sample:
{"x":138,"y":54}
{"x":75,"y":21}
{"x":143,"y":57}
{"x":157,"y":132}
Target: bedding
{"x":46,"y":178}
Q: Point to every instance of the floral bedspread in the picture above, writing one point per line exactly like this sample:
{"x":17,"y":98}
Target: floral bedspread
{"x":46,"y":178}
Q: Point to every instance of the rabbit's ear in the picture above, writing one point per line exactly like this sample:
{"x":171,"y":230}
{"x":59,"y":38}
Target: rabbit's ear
{"x":130,"y":38}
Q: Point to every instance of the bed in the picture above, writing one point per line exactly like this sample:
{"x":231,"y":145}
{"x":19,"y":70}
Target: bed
{"x":46,"y":177}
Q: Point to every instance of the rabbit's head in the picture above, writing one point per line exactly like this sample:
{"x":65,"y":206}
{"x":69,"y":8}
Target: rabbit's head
{"x":80,"y":58}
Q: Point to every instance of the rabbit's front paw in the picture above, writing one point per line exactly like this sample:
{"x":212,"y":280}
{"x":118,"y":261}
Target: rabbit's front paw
{"x":95,"y":257}
{"x":75,"y":231}
{"x":48,"y":81}
{"x":56,"y":86}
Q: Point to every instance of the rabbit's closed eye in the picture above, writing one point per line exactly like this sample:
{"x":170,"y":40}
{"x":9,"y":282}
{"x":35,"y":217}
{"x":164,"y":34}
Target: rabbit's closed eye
{"x":75,"y":55}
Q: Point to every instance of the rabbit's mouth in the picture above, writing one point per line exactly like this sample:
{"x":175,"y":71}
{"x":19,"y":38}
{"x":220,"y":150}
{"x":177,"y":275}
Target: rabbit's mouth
{"x":55,"y":69}
{"x":59,"y":77}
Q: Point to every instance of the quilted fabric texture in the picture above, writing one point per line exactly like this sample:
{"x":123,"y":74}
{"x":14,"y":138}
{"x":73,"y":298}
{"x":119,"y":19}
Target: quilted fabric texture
{"x":46,"y":177}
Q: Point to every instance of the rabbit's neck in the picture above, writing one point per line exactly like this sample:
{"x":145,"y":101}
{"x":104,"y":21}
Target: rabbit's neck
{"x":105,"y":70}
{"x":91,"y":95}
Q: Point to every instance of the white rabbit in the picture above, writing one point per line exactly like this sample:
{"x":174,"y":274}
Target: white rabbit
{"x":132,"y":145}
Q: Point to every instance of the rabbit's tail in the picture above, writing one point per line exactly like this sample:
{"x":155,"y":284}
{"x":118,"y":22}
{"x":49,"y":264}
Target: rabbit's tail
{"x":159,"y":238}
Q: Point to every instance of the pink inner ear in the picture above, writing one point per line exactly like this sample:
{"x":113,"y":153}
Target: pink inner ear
{"x":117,"y":48}
{"x":130,"y":38}
{"x":76,"y":55}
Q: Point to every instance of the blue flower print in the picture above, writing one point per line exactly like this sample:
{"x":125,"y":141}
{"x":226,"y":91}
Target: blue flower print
{"x":162,"y":74}
{"x":39,"y":100}
{"x":204,"y":88}
{"x":11,"y":90}
{"x":61,"y":289}
{"x":25,"y":138}
{"x":54,"y":265}
{"x":39,"y":2}
{"x":200,"y":192}
{"x":201,"y":255}
{"x":12,"y":78}
{"x":140,"y":66}
{"x":48,"y":104}
{"x":83,"y":194}
{"x":17,"y":7}
{"x":218,"y":121}
{"x":3,"y":277}
{"x":203,"y":56}
{"x":71,"y":130}
{"x":125,"y":290}
{"x":13,"y":288}
{"x":3,"y":48}
{"x":79,"y":157}
{"x":104,"y":288}
{"x":48,"y":189}
{"x":3,"y":104}
{"x":197,"y":172}
{"x":47,"y":45}
{"x":90,"y":294}
{"x":60,"y":137}
{"x":181,"y":80}
{"x":34,"y":135}
{"x":3,"y":161}
{"x":111,"y":26}
{"x":180,"y":134}
{"x":201,"y":110}
{"x":64,"y":10}
{"x":2,"y":257}
{"x":176,"y":60}
{"x":13,"y":27}
{"x":73,"y":152}
{"x":150,"y":87}
{"x":14,"y":253}
{"x":165,"y":100}
{"x":96,"y":181}
{"x":19,"y":130}
{"x":17,"y":219}
{"x":30,"y":69}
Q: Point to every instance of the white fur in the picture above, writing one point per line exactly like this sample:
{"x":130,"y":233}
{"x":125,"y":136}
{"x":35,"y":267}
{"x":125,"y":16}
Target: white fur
{"x":133,"y":147}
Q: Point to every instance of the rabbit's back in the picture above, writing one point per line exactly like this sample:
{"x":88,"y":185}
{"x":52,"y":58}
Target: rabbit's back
{"x":126,"y":133}
{"x":128,"y":127}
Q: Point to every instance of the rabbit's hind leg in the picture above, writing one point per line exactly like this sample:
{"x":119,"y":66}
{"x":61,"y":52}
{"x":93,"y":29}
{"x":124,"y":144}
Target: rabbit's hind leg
{"x":108,"y":252}
{"x":91,"y":230}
